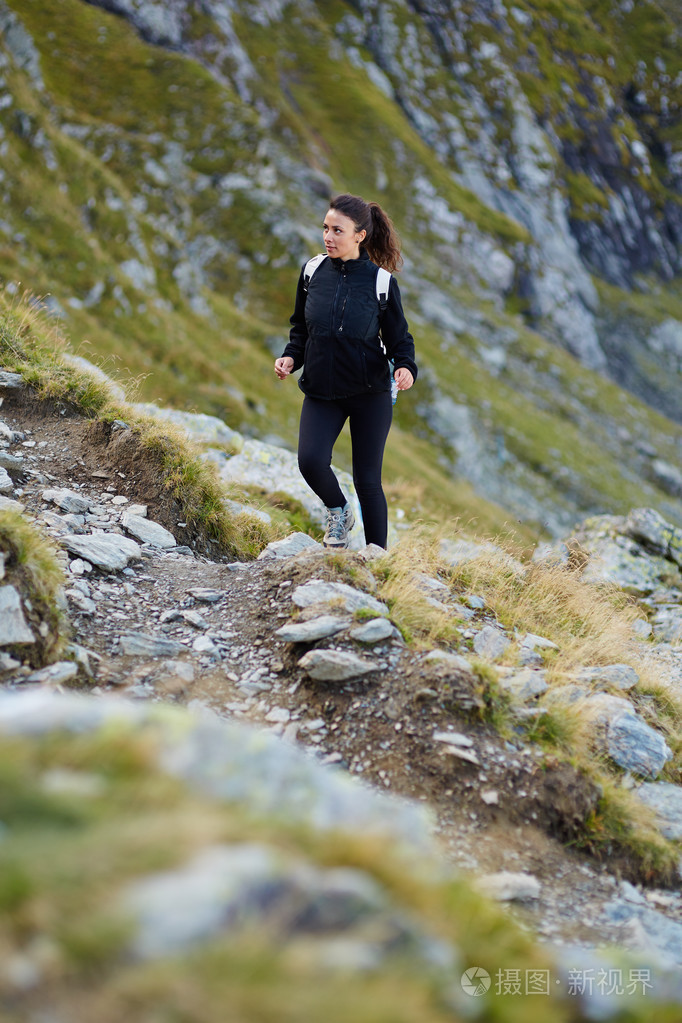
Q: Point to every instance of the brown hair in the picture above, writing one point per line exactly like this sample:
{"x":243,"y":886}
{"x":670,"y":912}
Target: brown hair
{"x":381,"y":241}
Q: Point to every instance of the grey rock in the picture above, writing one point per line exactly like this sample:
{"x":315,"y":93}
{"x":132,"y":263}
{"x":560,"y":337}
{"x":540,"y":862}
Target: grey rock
{"x":523,"y":685}
{"x":551,"y":554}
{"x":237,"y":508}
{"x":79,"y":567}
{"x":454,"y":739}
{"x":666,"y":799}
{"x":371,"y":551}
{"x":314,"y":629}
{"x":81,"y":601}
{"x":180,"y":669}
{"x":637,"y":747}
{"x":642,"y":629}
{"x":667,"y":624}
{"x":335,"y":665}
{"x":67,"y":500}
{"x":316,"y":591}
{"x":198,"y":426}
{"x":8,"y":663}
{"x":491,"y":643}
{"x":13,"y":627}
{"x":289,"y":547}
{"x":54,"y":674}
{"x":8,"y":504}
{"x":11,"y":380}
{"x":602,"y":708}
{"x":669,"y":477}
{"x":229,"y":888}
{"x":373,"y":632}
{"x":565,"y":695}
{"x":621,"y":676}
{"x":206,"y":595}
{"x":26,"y":56}
{"x":431,"y":585}
{"x":194,"y":619}
{"x":509,"y":887}
{"x":659,"y":934}
{"x":139,"y":644}
{"x":11,"y":463}
{"x":229,"y":761}
{"x":533,"y":642}
{"x":107,"y":551}
{"x":448,"y":662}
{"x":206,"y":645}
{"x":458,"y":552}
{"x":6,"y":484}
{"x":85,"y":366}
{"x":147,"y":531}
{"x":618,"y":559}
{"x":648,"y":527}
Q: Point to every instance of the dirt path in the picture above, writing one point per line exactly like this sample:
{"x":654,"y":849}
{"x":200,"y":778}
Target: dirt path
{"x":499,"y":806}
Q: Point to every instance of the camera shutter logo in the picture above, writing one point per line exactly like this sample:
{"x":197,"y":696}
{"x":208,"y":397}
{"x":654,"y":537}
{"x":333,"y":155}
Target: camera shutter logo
{"x":475,"y":981}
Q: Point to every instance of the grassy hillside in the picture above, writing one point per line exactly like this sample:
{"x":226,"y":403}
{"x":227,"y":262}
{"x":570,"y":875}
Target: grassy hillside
{"x":164,"y":204}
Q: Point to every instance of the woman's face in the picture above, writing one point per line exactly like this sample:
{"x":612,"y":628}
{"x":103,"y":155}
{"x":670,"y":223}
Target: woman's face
{"x":341,"y":240}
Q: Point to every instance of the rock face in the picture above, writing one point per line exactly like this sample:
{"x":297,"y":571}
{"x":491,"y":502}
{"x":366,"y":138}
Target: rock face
{"x":639,"y":553}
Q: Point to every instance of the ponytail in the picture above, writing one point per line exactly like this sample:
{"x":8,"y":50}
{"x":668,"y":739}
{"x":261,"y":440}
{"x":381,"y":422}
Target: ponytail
{"x":381,"y":241}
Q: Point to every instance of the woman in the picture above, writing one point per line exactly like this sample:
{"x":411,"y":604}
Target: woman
{"x":343,"y":338}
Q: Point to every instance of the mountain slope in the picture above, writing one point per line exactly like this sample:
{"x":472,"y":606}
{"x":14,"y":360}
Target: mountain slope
{"x":165,"y":172}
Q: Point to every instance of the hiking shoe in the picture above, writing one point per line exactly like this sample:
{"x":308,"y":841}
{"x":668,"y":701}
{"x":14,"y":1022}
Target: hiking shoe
{"x":340,"y":521}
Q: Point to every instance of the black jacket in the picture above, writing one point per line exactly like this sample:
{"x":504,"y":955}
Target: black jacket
{"x":336,"y":327}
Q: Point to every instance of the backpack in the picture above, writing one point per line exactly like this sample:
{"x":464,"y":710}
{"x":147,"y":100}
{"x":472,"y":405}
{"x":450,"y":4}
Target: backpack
{"x":383,"y":281}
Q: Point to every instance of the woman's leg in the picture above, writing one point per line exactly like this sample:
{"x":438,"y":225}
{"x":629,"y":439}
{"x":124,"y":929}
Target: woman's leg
{"x":370,"y":420}
{"x":321,"y":423}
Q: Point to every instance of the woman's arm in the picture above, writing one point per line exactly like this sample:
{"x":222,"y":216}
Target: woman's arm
{"x":298,"y":335}
{"x":397,"y":338}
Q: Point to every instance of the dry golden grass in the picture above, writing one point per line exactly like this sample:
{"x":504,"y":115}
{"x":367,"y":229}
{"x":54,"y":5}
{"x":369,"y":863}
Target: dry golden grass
{"x":591,"y":625}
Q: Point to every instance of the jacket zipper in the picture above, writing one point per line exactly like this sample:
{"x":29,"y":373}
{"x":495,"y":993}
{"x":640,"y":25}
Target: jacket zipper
{"x":343,"y":310}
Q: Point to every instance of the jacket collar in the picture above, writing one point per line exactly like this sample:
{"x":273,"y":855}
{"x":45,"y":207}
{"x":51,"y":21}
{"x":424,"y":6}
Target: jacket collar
{"x":350,"y":264}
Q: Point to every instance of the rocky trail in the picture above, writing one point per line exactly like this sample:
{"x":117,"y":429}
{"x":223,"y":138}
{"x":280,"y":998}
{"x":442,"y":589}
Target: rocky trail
{"x":284,"y":644}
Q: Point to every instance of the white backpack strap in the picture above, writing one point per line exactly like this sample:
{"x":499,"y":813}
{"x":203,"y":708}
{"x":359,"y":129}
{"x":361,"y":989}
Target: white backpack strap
{"x":310,"y":268}
{"x":383,"y":284}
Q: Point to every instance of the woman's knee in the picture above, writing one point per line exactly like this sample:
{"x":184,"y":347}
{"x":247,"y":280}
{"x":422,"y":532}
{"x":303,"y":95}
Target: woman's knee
{"x":311,"y":465}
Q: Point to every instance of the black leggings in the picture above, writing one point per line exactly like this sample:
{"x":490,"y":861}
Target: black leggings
{"x":370,"y":420}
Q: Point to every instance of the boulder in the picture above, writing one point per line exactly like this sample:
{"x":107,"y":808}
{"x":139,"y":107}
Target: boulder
{"x":636,"y":746}
{"x":67,"y":500}
{"x":290,"y":546}
{"x":491,"y":643}
{"x":13,"y":627}
{"x":312,"y":630}
{"x":316,"y":591}
{"x":108,"y":551}
{"x":335,"y":665}
{"x":147,"y":531}
{"x":666,"y":799}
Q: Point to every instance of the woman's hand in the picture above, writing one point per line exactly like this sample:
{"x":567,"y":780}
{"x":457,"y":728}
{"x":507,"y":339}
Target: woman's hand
{"x":284,"y":366}
{"x":403,"y":378}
